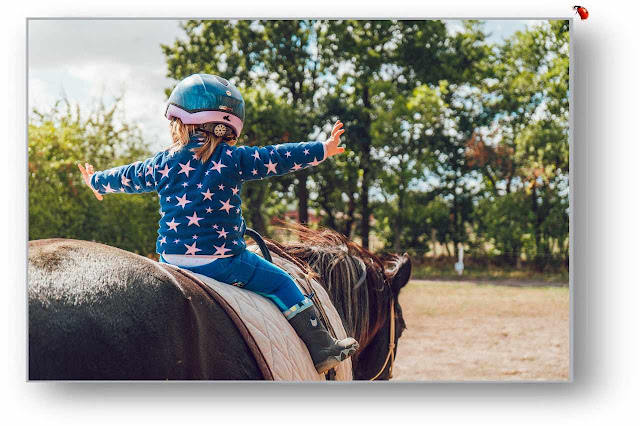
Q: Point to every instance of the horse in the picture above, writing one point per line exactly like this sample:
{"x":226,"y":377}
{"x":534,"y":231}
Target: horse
{"x":97,"y":312}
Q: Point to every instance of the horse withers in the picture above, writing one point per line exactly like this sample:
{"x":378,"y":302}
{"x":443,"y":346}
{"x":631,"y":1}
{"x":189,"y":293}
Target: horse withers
{"x":101,"y":313}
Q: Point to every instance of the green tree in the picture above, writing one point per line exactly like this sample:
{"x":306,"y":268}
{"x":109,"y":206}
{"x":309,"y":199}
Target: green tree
{"x":530,"y":103}
{"x":60,"y":205}
{"x":254,"y":54}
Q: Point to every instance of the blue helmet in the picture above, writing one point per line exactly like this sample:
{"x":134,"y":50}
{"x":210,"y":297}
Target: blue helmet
{"x":205,"y":98}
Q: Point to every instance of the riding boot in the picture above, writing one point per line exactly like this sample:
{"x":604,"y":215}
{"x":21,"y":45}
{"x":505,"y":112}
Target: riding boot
{"x":326,"y":351}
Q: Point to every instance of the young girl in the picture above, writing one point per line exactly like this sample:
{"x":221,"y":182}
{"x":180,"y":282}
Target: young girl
{"x":199,"y":180}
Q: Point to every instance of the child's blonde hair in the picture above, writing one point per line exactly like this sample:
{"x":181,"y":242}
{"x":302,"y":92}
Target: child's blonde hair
{"x":181,"y":134}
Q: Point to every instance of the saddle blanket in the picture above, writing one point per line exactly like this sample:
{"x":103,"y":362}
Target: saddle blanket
{"x":276,"y":343}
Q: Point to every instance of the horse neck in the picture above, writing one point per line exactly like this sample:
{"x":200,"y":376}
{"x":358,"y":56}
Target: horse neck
{"x":362,"y":310}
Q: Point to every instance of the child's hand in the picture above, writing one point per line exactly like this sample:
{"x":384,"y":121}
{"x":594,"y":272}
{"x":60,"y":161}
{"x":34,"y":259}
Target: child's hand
{"x":333,"y":143}
{"x":86,"y":175}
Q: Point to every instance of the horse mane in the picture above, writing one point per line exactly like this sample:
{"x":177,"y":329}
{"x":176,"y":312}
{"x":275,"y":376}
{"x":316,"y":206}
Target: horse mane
{"x":353,"y":277}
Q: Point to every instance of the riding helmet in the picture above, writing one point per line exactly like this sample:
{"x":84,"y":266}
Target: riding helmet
{"x":205,"y":98}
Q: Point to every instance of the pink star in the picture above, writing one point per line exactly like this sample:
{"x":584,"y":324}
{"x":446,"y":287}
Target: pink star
{"x":191,"y":249}
{"x":296,"y":167}
{"x":186,"y":168}
{"x":235,"y":227}
{"x":184,"y":184}
{"x":271,"y":152}
{"x":223,"y":233}
{"x":225,"y":206}
{"x":122,"y":190}
{"x":221,"y":187}
{"x":137,"y":187}
{"x":256,"y":155}
{"x":112,"y":172}
{"x":255,"y":172}
{"x":173,"y":225}
{"x":163,"y":240}
{"x":182,"y":201}
{"x":215,"y":226}
{"x":238,"y":210}
{"x":195,"y":219}
{"x":161,"y":213}
{"x":165,"y":171}
{"x":209,"y":210}
{"x":235,"y":243}
{"x":199,"y":186}
{"x":315,"y":162}
{"x":228,"y":152}
{"x":288,"y":154}
{"x":221,"y":250}
{"x":207,"y":195}
{"x":149,"y":170}
{"x":168,"y":198}
{"x":271,"y":167}
{"x":306,"y":151}
{"x":108,"y":189}
{"x":176,"y":241}
{"x":125,"y":181}
{"x":218,"y":166}
{"x":235,"y":190}
{"x":195,"y":236}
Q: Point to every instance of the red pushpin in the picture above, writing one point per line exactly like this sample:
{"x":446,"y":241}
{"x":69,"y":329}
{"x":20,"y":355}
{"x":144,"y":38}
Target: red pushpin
{"x":582,"y":11}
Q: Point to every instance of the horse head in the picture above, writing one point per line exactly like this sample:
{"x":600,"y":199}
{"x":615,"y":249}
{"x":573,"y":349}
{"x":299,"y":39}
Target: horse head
{"x":364,"y":289}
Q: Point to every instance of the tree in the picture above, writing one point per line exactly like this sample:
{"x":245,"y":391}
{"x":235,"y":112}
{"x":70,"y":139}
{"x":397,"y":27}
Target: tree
{"x":254,"y":54}
{"x":60,"y":205}
{"x":532,"y":112}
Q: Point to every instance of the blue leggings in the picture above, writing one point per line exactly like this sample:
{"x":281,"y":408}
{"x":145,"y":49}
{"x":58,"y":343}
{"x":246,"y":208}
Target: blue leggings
{"x":252,"y":272}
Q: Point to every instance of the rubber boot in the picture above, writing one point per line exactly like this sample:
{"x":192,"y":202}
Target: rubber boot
{"x":326,"y":351}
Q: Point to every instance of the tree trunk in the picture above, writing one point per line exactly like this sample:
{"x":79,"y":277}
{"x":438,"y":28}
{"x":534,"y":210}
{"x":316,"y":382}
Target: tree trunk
{"x":399,"y":222}
{"x":325,"y":202}
{"x":257,"y":193}
{"x":366,"y":170}
{"x":539,"y":261}
{"x":303,"y":196}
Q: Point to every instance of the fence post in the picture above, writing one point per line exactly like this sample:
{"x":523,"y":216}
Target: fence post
{"x":459,"y":266}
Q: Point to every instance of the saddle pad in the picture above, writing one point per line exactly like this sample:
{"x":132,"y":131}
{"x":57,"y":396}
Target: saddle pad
{"x":284,"y":352}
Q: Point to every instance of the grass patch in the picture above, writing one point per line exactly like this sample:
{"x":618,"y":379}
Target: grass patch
{"x":439,"y":272}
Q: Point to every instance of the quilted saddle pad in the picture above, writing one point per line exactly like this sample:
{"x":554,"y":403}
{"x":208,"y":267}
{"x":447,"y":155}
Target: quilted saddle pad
{"x":285,"y":354}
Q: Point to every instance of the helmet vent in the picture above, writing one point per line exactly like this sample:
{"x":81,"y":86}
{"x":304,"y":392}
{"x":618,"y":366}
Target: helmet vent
{"x":223,"y":81}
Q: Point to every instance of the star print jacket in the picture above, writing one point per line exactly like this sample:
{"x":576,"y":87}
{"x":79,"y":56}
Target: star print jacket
{"x":200,"y":204}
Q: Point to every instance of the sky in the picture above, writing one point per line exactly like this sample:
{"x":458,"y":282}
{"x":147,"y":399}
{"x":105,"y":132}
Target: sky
{"x":91,"y":60}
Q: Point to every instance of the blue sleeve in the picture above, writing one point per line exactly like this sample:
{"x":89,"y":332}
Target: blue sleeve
{"x":273,"y":160}
{"x":138,"y":177}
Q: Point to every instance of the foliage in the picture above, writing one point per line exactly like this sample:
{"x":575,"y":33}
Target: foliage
{"x":60,"y":205}
{"x":451,"y":139}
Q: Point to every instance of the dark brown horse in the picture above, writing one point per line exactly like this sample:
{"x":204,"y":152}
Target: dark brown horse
{"x":101,"y":313}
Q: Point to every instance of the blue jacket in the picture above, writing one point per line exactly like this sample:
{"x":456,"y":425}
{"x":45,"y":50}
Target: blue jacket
{"x":200,"y":204}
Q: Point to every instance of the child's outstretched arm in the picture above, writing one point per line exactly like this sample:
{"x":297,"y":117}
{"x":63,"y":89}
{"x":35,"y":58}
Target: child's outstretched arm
{"x":273,"y":160}
{"x":138,"y":177}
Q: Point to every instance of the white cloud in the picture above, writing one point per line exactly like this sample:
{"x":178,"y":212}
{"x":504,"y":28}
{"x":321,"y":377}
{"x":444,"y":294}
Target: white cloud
{"x":92,"y":60}
{"x":41,"y":94}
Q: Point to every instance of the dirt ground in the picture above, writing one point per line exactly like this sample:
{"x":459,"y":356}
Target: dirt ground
{"x":467,"y":331}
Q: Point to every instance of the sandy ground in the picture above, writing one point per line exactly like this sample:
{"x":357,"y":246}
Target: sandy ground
{"x":468,"y":331}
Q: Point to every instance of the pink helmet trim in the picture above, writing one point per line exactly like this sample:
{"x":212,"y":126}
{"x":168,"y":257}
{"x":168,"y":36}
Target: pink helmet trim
{"x":202,"y":117}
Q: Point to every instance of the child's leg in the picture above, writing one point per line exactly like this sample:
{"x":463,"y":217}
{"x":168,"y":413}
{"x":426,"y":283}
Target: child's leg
{"x":272,"y":282}
{"x":276,"y":284}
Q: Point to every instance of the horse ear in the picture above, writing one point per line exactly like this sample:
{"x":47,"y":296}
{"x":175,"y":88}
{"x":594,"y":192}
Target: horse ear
{"x":400,"y":273}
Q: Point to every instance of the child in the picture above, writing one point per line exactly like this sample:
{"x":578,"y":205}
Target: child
{"x":199,"y":180}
